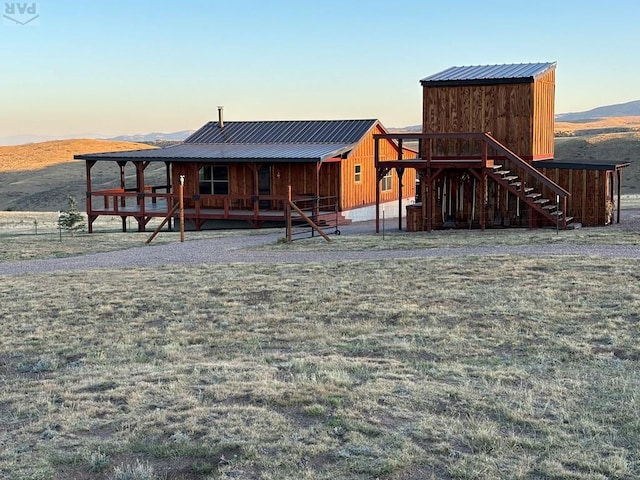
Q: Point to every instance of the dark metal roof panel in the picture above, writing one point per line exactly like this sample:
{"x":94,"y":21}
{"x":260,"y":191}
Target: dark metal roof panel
{"x":284,"y":132}
{"x":488,"y":74}
{"x":302,"y":152}
{"x":578,"y":164}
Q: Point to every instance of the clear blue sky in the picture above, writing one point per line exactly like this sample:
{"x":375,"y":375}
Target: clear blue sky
{"x":115,"y":67}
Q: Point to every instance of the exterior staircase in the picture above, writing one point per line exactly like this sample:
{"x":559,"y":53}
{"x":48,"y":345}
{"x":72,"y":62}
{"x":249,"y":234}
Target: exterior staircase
{"x":546,"y":207}
{"x":528,"y":184}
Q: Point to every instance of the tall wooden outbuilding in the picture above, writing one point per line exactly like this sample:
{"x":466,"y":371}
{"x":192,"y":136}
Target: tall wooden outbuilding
{"x":486,"y":156}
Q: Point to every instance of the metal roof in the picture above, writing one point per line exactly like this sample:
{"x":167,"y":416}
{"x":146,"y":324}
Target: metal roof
{"x":579,"y":164}
{"x":276,"y":141}
{"x":488,"y":74}
{"x":300,"y":152}
{"x":284,"y":132}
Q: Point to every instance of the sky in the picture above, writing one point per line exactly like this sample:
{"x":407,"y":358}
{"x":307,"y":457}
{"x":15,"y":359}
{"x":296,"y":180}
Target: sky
{"x":111,"y":67}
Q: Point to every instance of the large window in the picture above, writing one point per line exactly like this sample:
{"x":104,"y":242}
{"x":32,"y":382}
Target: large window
{"x":214,"y":179}
{"x":386,"y":181}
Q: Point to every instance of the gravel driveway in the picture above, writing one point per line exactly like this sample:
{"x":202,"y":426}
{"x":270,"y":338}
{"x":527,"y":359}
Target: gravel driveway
{"x":238,"y":250}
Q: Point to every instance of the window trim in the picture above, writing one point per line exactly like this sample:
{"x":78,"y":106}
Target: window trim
{"x":386,"y":183}
{"x":217,"y":186}
{"x":357,"y":173}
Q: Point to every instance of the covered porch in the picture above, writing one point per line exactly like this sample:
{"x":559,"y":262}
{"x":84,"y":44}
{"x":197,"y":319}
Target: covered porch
{"x":155,"y":198}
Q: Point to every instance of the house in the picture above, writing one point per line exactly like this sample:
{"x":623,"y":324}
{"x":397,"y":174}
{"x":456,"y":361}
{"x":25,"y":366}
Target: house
{"x":486,"y":155}
{"x":241,"y":171}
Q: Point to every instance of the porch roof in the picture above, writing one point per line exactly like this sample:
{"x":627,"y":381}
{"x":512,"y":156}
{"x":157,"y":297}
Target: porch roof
{"x":579,"y":164}
{"x":239,"y":153}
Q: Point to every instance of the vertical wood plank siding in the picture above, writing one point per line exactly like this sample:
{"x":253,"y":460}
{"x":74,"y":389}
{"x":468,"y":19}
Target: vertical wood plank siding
{"x":590,"y":194}
{"x":519,"y":115}
{"x":336,"y":178}
{"x":361,"y":194}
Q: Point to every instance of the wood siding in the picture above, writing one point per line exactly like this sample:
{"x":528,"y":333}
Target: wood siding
{"x":336,"y":179}
{"x":590,"y":203}
{"x":520,"y":116}
{"x":362,"y":194}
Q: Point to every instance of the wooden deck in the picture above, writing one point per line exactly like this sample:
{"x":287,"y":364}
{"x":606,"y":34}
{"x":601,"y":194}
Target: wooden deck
{"x":145,"y":206}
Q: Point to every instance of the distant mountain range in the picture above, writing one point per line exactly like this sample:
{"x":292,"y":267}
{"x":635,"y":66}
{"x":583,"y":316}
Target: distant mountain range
{"x":154,"y":137}
{"x":629,"y":109}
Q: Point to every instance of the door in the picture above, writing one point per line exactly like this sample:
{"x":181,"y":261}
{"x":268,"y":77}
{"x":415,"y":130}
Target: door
{"x":264,"y":185}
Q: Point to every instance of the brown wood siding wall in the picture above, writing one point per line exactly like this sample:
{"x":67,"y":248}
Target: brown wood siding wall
{"x":589,"y":194}
{"x":544,"y":116}
{"x":364,"y":193}
{"x":519,"y":115}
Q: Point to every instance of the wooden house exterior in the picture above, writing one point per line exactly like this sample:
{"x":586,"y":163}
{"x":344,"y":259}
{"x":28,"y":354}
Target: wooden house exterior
{"x":243,"y":171}
{"x":487,"y":132}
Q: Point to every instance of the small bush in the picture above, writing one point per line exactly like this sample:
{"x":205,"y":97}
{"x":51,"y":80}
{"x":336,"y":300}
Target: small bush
{"x":139,"y":471}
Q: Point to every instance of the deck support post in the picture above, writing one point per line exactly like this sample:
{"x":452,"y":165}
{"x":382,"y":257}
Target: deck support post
{"x":400,"y":173}
{"x":140,"y":166}
{"x":89,"y":204}
{"x":181,"y":208}
{"x":169,"y":188}
{"x":376,"y":158}
{"x":483,"y":203}
{"x":619,"y":194}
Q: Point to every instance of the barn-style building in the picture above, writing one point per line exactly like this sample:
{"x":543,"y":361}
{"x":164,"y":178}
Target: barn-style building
{"x":241,"y":171}
{"x":486,"y":155}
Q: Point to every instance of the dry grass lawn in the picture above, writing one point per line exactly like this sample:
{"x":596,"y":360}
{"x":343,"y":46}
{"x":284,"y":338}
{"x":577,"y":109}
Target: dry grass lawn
{"x":497,"y":367}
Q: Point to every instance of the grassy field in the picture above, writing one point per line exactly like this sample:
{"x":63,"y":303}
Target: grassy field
{"x":451,"y":368}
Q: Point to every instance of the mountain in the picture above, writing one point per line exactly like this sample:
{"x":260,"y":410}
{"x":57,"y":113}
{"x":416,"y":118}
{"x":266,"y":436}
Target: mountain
{"x":629,"y":109}
{"x":154,"y":137}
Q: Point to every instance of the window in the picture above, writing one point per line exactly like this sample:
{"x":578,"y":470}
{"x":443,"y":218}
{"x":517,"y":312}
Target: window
{"x":357,"y":174}
{"x":386,"y":182}
{"x":214,"y":179}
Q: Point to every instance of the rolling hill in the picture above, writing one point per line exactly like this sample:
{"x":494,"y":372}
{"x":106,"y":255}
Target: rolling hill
{"x":40,"y":176}
{"x":628,"y":109}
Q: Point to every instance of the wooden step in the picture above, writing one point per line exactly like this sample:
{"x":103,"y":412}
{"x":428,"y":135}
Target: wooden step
{"x":533,"y":195}
{"x":528,"y":189}
{"x":549,"y":207}
{"x":541,"y":201}
{"x":501,"y":172}
{"x":510,"y":178}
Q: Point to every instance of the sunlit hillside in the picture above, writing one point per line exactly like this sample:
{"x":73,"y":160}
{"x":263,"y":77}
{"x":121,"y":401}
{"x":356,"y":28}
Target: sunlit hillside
{"x":34,"y":156}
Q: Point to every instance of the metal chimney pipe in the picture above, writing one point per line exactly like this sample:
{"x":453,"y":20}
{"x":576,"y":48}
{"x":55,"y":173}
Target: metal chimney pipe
{"x":220,"y":116}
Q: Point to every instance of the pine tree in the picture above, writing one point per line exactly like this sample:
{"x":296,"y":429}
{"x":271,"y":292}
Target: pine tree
{"x":71,"y":219}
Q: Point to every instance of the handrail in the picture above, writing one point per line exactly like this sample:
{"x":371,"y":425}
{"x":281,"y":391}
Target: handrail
{"x":526,"y":167}
{"x":487,"y":139}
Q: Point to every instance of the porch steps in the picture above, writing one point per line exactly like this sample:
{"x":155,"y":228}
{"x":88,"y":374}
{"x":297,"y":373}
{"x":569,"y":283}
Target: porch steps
{"x":534,"y":199}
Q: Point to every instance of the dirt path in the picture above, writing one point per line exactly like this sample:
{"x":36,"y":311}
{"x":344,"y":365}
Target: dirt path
{"x":239,"y":250}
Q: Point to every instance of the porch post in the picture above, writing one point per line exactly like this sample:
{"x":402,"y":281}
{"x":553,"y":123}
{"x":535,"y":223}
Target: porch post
{"x":427,"y":199}
{"x":376,"y":159}
{"x":90,"y":217}
{"x":316,"y":206}
{"x":619,"y":193}
{"x":483,"y":202}
{"x":169,"y":189}
{"x":400,"y":173}
{"x":140,"y":195}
